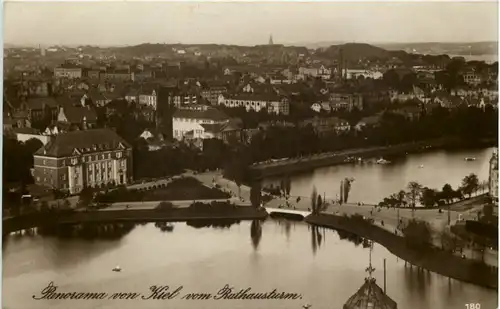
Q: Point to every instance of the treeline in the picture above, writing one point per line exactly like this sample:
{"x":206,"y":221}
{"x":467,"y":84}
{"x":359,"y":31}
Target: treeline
{"x":392,"y":129}
{"x":416,"y":194}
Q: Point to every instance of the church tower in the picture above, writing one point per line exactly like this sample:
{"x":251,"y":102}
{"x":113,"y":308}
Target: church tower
{"x":271,"y":40}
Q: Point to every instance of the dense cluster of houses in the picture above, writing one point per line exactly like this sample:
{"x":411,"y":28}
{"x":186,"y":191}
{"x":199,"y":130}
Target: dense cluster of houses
{"x":60,"y":108}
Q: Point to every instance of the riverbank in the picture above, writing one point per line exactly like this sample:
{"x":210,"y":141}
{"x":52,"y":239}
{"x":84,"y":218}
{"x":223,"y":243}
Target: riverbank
{"x":297,"y":165}
{"x":432,"y":259}
{"x":137,"y":215}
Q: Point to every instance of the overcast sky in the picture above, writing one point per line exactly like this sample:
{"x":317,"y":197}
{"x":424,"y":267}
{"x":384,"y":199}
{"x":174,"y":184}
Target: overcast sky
{"x":127,"y":23}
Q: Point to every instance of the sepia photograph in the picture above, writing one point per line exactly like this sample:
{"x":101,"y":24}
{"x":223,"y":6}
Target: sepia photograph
{"x":250,"y":155}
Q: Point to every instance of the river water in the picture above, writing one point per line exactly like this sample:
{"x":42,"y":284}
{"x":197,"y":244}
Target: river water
{"x":287,"y":256}
{"x":373,"y":182}
{"x":283,"y":257}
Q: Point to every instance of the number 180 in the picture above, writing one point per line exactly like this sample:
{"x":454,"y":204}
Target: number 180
{"x":473,"y":306}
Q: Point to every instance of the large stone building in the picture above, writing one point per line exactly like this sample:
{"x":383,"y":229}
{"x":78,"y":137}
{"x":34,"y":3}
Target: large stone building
{"x":273,"y":104}
{"x":79,"y":159}
{"x":68,"y":71}
{"x":493,"y":178}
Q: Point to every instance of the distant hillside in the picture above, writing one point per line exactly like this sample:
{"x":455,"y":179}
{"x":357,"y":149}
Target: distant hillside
{"x":466,"y":48}
{"x":354,"y":51}
{"x":316,"y":45}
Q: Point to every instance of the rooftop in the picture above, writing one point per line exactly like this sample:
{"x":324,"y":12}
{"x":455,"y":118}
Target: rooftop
{"x":209,"y":114}
{"x":87,"y":141}
{"x":370,"y":295}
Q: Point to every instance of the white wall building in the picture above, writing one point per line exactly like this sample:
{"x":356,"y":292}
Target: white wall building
{"x":187,"y":123}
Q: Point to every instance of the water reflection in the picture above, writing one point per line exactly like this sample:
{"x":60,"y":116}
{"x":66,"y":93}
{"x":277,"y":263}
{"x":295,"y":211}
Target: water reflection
{"x":316,"y":239}
{"x":256,"y":233}
{"x":165,"y":226}
{"x":218,"y":224}
{"x":373,"y":182}
{"x":90,"y":231}
{"x":328,"y":277}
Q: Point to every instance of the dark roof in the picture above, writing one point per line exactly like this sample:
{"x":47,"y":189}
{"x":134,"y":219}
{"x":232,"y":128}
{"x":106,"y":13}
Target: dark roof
{"x":95,"y":96}
{"x":76,"y":114}
{"x":39,"y":103}
{"x":26,"y":130}
{"x":214,"y":128}
{"x":63,"y":145}
{"x":253,"y":97}
{"x":7,"y":120}
{"x":370,"y":293}
{"x":211,"y":113}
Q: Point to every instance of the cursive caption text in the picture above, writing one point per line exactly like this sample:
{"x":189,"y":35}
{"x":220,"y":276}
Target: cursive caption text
{"x":165,"y":292}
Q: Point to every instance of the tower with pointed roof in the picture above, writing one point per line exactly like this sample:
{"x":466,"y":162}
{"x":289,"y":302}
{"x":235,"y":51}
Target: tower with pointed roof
{"x":370,"y":295}
{"x":271,"y":40}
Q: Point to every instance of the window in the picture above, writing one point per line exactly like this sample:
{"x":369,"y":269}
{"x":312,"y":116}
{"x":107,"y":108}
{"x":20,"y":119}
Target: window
{"x":44,"y":162}
{"x":118,"y":154}
{"x":63,"y":177}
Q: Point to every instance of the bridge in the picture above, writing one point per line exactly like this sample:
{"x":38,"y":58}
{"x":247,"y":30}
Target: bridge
{"x":302,"y":213}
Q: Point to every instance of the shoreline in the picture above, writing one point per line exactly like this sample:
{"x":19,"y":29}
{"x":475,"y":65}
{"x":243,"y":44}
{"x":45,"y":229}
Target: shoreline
{"x":15,"y":224}
{"x":298,"y":165}
{"x":436,"y":260}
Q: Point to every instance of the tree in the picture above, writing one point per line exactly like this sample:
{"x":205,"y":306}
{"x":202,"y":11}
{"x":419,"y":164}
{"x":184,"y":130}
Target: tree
{"x":428,"y":197}
{"x":319,"y":204}
{"x":418,"y":233}
{"x":85,"y":197}
{"x":488,"y":214}
{"x":314,"y":200}
{"x":347,"y":188}
{"x":164,"y":206}
{"x":255,"y":194}
{"x":401,"y":198}
{"x":414,"y":192}
{"x":44,"y":207}
{"x":470,"y":184}
{"x":66,"y":204}
{"x":32,"y":145}
{"x":447,"y":241}
{"x":288,"y":187}
{"x":447,"y":192}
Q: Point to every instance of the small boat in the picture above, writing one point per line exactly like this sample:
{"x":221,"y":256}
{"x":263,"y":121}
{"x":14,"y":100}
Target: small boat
{"x":421,"y":166}
{"x":117,"y":269}
{"x":306,"y":306}
{"x":382,"y":161}
{"x":470,"y":159}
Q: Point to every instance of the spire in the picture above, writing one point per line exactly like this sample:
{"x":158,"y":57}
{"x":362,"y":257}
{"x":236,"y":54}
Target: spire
{"x":271,"y":40}
{"x":370,"y":269}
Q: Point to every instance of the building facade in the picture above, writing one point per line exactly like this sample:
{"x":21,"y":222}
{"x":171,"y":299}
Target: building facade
{"x":493,"y":178}
{"x":194,"y":122}
{"x":257,"y":103}
{"x":78,"y":159}
{"x":66,"y":71}
{"x":347,"y":101}
{"x":212,"y":94}
{"x":148,"y":98}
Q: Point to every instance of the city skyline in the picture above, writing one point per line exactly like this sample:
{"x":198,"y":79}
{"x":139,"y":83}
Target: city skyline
{"x":32,"y":23}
